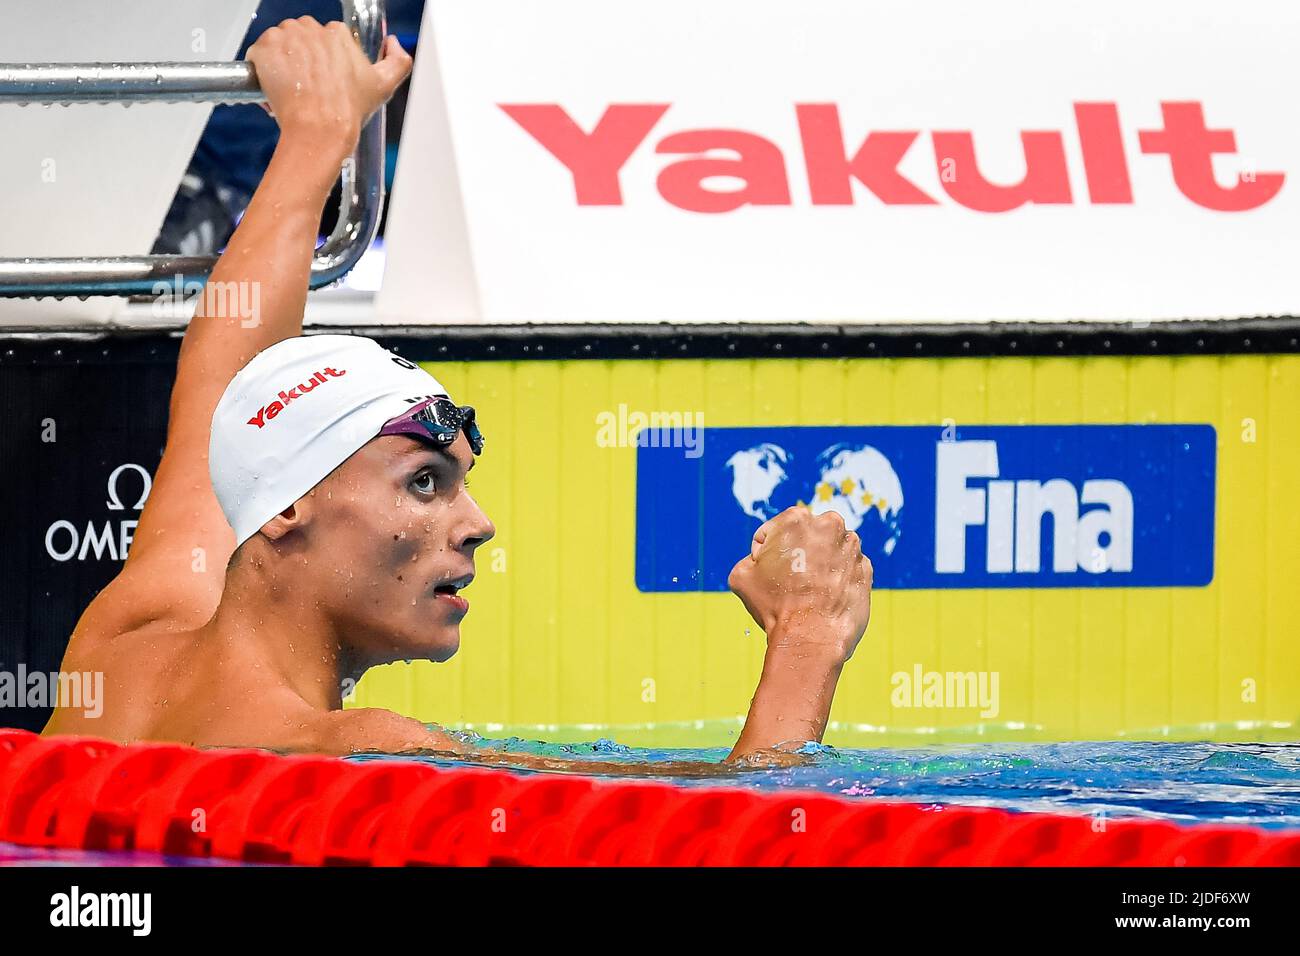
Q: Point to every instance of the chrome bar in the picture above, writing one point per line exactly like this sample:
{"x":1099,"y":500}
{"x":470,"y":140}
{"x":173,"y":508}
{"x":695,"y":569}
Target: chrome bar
{"x":67,"y":83}
{"x":361,"y":178}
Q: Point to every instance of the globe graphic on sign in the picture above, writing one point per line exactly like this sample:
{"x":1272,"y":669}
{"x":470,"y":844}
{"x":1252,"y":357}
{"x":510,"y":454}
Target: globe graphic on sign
{"x":858,"y":483}
{"x":755,"y":474}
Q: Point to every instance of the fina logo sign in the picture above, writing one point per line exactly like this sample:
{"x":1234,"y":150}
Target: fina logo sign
{"x":1098,"y":541}
{"x":980,"y":507}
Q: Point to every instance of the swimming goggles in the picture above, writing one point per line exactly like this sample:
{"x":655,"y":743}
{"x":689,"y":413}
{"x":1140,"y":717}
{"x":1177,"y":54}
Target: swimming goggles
{"x":439,"y":419}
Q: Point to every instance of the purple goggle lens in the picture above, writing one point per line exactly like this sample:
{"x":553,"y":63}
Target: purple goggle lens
{"x":440,"y":419}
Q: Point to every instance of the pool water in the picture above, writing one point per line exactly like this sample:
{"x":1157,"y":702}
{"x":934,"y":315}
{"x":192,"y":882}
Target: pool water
{"x":1258,"y":784}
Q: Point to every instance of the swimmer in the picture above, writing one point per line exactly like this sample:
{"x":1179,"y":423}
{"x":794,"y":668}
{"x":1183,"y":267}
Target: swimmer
{"x":310,"y":517}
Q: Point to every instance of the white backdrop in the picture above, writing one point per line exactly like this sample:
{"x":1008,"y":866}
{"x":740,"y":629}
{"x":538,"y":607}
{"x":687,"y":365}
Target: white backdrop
{"x":486,"y":223}
{"x":91,"y":179}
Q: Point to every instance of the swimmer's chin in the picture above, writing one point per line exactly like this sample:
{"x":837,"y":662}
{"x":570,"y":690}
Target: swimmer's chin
{"x":445,"y":650}
{"x":439,"y":652}
{"x":445,"y":654}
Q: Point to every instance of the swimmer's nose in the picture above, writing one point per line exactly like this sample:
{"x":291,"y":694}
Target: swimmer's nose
{"x":479,"y":530}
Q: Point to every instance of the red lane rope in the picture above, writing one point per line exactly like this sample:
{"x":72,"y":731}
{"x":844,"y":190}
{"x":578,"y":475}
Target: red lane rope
{"x":81,"y":793}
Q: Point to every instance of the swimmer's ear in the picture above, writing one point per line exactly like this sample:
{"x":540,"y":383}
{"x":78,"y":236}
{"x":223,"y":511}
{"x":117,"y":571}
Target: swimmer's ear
{"x":290,"y":519}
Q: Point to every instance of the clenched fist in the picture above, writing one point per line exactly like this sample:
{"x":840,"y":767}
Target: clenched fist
{"x":806,"y":582}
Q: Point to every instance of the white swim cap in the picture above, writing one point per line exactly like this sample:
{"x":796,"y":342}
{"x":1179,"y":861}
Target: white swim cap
{"x":296,"y":412}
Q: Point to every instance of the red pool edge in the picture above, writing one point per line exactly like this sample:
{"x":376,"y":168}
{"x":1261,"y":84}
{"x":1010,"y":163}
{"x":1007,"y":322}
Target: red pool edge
{"x":255,"y":806}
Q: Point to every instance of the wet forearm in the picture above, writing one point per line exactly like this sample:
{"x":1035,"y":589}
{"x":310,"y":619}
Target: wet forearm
{"x":274,"y":243}
{"x":506,"y":760}
{"x":792,"y":702}
{"x":605,"y":768}
{"x":257,"y":292}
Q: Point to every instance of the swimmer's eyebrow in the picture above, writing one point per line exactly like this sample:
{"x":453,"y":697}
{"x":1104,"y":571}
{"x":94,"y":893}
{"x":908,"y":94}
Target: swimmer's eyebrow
{"x":420,"y":447}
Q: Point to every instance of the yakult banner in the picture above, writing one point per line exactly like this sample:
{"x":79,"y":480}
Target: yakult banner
{"x":848,"y":160}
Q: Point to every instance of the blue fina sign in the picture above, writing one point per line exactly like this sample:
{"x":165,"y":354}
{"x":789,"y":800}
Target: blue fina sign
{"x":1012,"y":506}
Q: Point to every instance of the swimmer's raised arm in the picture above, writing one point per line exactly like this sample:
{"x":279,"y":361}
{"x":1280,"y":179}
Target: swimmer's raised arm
{"x":807,"y":584}
{"x":321,"y":90}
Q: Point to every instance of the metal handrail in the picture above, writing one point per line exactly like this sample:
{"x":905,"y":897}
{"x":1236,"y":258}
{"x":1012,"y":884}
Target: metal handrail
{"x":362,"y":175}
{"x":67,"y":83}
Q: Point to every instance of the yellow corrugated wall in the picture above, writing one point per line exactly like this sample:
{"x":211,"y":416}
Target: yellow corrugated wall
{"x":561,"y":645}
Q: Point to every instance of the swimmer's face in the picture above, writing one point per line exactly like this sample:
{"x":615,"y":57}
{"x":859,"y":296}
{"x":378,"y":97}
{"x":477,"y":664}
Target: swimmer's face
{"x":391,"y":545}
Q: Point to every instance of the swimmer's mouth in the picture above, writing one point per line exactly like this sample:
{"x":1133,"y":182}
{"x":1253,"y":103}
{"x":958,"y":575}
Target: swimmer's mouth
{"x":454,"y":586}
